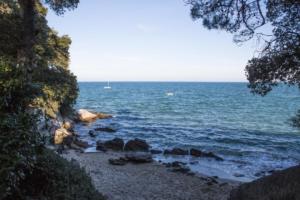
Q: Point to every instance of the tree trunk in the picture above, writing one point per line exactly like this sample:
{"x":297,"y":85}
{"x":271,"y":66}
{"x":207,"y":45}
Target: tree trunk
{"x":27,"y":54}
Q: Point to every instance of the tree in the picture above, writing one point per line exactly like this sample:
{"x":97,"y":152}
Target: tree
{"x":279,"y":59}
{"x":29,"y":12}
{"x":33,"y":72}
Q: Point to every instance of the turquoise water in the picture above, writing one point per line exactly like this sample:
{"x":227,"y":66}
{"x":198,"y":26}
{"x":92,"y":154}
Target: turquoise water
{"x":250,"y":132}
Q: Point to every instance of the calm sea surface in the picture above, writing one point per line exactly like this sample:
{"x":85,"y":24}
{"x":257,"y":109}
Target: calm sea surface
{"x":250,"y":132}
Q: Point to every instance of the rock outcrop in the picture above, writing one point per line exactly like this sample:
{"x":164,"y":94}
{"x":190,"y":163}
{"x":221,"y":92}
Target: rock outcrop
{"x":136,"y":145}
{"x":87,"y":116}
{"x":116,"y":144}
{"x":60,"y":134}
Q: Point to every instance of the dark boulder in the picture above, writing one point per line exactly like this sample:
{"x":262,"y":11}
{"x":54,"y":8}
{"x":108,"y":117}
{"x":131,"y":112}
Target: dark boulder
{"x":178,"y":166}
{"x":100,"y":146}
{"x":136,"y":145}
{"x":175,"y":164}
{"x":118,"y":161}
{"x":196,"y":152}
{"x":82,"y":144}
{"x":116,"y":144}
{"x":199,"y":153}
{"x":181,"y":169}
{"x":176,"y":151}
{"x":139,"y":157}
{"x":68,"y":140}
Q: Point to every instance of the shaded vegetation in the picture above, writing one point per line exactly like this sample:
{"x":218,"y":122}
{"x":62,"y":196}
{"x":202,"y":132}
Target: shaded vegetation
{"x":34,"y":76}
{"x":52,"y":177}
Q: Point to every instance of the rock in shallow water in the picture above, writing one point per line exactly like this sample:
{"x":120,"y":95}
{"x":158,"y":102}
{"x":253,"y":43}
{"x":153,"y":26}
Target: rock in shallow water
{"x":176,"y":151}
{"x":199,"y":153}
{"x":116,"y":144}
{"x":100,"y":146}
{"x":86,"y":116}
{"x":136,"y":145}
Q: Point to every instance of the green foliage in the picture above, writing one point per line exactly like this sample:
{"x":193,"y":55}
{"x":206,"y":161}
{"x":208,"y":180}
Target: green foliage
{"x":60,"y":6}
{"x":53,"y":177}
{"x":27,"y":169}
{"x":279,"y":59}
{"x":19,"y":143}
{"x":56,"y":87}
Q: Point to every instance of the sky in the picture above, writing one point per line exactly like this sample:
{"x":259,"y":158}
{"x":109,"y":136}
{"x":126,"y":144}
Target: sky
{"x":148,"y":40}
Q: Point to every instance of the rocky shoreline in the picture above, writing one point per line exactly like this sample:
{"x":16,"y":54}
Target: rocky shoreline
{"x":126,"y":170}
{"x":143,"y":178}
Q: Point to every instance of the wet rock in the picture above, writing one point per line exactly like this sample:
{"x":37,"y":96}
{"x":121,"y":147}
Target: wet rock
{"x":176,"y":151}
{"x":92,"y":133}
{"x":178,"y":167}
{"x":60,"y":134}
{"x":212,"y":155}
{"x":195,"y":152}
{"x":100,"y":146}
{"x":68,"y":140}
{"x":199,"y":153}
{"x":86,"y":116}
{"x":181,"y":169}
{"x":105,"y":129}
{"x":116,"y":144}
{"x":103,"y":116}
{"x":155,"y":151}
{"x":82,"y":144}
{"x":139,"y":157}
{"x":119,"y":161}
{"x":136,"y":145}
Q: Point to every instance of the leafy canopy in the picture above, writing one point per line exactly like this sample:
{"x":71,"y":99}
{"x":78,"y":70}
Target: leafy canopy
{"x":279,"y":60}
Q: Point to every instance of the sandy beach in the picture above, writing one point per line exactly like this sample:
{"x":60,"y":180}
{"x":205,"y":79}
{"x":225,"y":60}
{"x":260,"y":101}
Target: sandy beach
{"x":148,"y":180}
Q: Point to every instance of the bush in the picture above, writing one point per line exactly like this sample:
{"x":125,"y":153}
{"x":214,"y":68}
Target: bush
{"x":19,"y":143}
{"x":53,"y":177}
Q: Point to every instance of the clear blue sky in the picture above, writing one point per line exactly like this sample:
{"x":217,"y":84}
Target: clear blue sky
{"x":148,"y":40}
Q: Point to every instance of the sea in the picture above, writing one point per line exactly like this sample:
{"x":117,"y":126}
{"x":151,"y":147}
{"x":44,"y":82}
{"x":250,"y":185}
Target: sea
{"x":252,"y":133}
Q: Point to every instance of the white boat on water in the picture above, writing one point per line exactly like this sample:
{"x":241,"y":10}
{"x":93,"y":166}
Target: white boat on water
{"x":170,"y":94}
{"x":107,"y":86}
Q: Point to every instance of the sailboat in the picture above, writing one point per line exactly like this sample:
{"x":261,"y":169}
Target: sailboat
{"x":107,"y":86}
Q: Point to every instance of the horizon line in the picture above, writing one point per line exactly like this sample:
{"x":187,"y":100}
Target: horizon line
{"x":153,"y":81}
